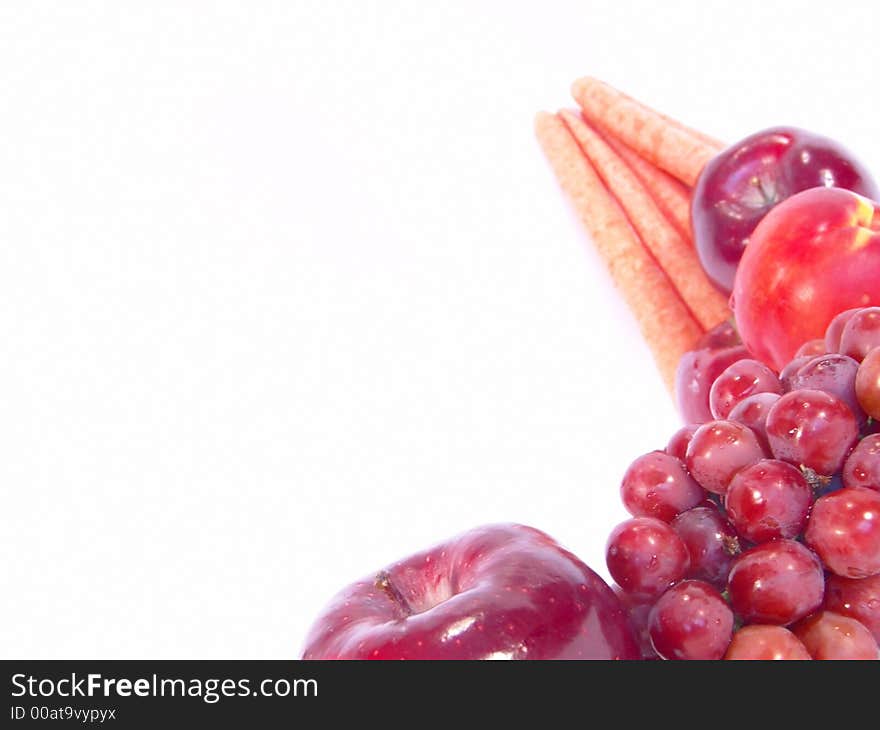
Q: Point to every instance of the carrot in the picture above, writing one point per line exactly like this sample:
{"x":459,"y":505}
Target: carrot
{"x":671,"y":250}
{"x":645,"y":109}
{"x":666,"y":323}
{"x":672,"y":197}
{"x":674,"y":122}
{"x":668,"y":144}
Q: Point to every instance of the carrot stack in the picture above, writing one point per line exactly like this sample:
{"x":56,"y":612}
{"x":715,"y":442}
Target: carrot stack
{"x":628,"y":172}
{"x":670,"y":145}
{"x":664,"y":320}
{"x":671,"y":195}
{"x":674,"y":254}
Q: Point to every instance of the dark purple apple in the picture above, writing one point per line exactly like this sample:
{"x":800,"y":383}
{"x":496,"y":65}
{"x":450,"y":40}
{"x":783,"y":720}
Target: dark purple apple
{"x":738,"y":187}
{"x":497,"y":592}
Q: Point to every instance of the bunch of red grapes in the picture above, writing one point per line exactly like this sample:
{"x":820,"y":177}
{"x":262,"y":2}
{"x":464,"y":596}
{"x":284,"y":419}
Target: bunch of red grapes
{"x":755,"y":534}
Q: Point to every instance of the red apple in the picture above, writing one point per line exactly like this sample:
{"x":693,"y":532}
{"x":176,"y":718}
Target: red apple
{"x":496,"y":592}
{"x":738,"y":187}
{"x":810,"y":258}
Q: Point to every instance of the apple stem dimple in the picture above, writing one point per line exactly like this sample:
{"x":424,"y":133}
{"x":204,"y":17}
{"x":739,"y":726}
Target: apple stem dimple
{"x":384,"y":584}
{"x":769,"y":197}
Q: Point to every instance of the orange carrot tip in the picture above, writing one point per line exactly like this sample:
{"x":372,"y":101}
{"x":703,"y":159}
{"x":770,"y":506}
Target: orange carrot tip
{"x":665,"y":321}
{"x":670,"y":249}
{"x":664,"y":142}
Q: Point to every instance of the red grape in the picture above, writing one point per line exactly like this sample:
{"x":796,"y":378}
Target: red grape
{"x":657,"y":485}
{"x":645,"y":557}
{"x":721,"y":336}
{"x":710,"y":541}
{"x":718,"y":450}
{"x":834,"y":374}
{"x":835,"y":329}
{"x":694,"y":376}
{"x":678,"y":444}
{"x":862,"y":466}
{"x":844,"y":530}
{"x":638,"y":612}
{"x":861,"y":333}
{"x":790,"y":370}
{"x":829,"y":635}
{"x":691,"y":621}
{"x":867,"y":383}
{"x":776,"y":582}
{"x":767,"y":500}
{"x":752,"y":412}
{"x":766,"y":642}
{"x":811,"y":428}
{"x":811,"y":348}
{"x":738,"y":381}
{"x":859,"y":598}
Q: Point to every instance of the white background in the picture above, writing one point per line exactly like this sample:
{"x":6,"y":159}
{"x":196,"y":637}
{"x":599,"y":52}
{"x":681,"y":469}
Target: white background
{"x":287,"y":291}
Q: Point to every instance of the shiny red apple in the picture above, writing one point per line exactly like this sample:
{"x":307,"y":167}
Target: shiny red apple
{"x":741,"y":185}
{"x":496,"y":592}
{"x":810,"y":258}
